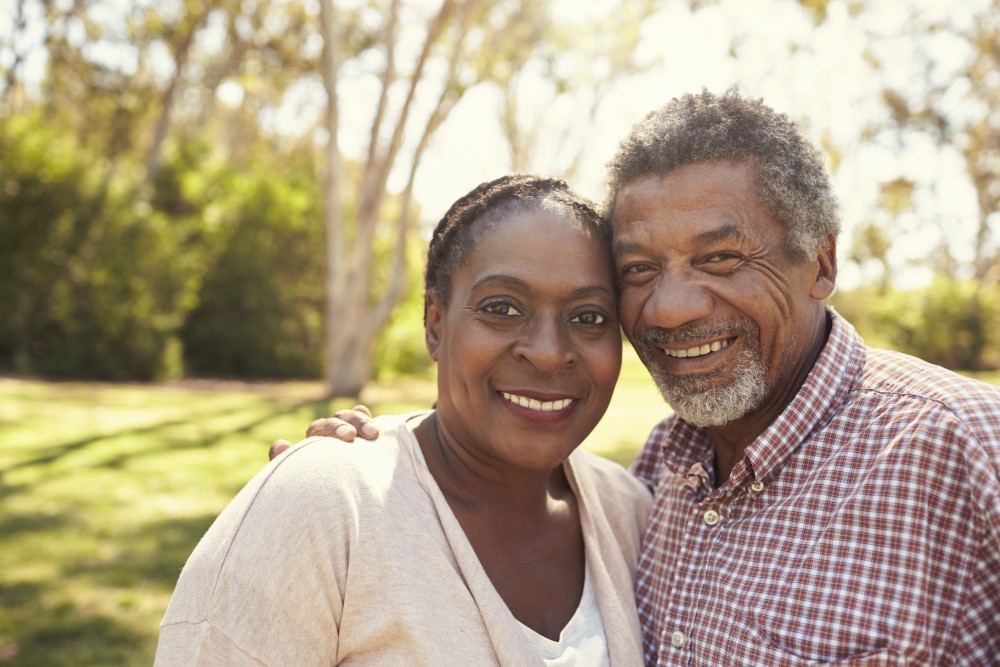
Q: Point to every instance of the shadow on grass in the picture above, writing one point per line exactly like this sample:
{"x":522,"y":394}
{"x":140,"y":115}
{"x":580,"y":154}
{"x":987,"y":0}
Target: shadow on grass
{"x":319,"y":408}
{"x":12,"y":525}
{"x":40,"y":627}
{"x":150,"y":556}
{"x":67,"y":635}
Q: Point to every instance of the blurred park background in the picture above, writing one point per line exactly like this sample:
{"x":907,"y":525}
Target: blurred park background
{"x":213,"y":215}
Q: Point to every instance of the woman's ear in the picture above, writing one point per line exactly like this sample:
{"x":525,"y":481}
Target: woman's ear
{"x":433,"y":322}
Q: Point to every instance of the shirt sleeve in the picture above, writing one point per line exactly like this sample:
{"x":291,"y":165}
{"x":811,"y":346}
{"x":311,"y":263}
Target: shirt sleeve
{"x":978,"y":635}
{"x":200,"y":645}
{"x":265,"y":584}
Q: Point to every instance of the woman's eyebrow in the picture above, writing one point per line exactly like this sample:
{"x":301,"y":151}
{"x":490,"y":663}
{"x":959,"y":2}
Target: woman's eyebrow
{"x":500,"y":278}
{"x":517,"y":283}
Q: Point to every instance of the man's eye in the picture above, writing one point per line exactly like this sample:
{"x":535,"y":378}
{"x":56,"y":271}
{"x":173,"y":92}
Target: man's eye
{"x":502,"y":308}
{"x":589,"y":317}
{"x":721,"y":257}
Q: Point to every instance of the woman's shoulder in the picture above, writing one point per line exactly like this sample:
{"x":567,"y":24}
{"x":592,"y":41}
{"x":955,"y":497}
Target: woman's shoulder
{"x":330,"y":465}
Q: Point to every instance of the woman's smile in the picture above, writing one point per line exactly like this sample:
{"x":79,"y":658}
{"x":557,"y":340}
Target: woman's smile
{"x":539,"y":408}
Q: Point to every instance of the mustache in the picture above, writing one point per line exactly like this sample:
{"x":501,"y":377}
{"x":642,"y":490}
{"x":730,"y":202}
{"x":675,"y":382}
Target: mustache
{"x":688,"y":333}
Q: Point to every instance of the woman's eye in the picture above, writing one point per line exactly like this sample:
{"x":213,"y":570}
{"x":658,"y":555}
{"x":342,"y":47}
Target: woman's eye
{"x":502,"y":308}
{"x":590,"y":317}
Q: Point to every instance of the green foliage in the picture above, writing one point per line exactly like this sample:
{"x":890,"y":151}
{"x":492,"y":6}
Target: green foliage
{"x":951,"y":323}
{"x":260,"y":308}
{"x":96,"y":281}
{"x":209,"y":272}
{"x":45,"y":201}
{"x":401,"y":350}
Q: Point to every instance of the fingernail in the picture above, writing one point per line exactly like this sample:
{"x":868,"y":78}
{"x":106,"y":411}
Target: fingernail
{"x":343,"y":431}
{"x":369,"y":430}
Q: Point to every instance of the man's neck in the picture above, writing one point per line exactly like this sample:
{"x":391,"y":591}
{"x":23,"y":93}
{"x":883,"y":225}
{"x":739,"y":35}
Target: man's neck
{"x":731,"y":440}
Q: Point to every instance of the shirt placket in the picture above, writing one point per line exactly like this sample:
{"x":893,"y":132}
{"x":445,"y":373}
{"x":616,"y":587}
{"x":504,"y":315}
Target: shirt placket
{"x":680,"y":634}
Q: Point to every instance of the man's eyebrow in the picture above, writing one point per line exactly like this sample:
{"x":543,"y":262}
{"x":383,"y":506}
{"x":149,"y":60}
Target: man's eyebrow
{"x":728,"y":232}
{"x":625,"y":247}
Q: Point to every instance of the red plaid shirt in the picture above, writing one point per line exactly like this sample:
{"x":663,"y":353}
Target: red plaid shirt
{"x":862,"y":526}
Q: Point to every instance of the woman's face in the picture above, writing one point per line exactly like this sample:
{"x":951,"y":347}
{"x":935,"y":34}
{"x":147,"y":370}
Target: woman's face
{"x":528,"y":348}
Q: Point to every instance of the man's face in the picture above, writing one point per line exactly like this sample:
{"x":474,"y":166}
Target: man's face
{"x":722,"y":316}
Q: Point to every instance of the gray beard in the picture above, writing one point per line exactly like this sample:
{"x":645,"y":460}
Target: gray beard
{"x":698,"y":403}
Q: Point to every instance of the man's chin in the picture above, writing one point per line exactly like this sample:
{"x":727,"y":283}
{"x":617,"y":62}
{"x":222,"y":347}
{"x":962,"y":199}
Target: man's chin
{"x":704,"y":418}
{"x":709,"y":405}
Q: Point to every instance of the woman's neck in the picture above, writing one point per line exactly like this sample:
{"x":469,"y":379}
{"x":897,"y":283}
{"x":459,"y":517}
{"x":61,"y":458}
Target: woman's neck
{"x":472,"y":481}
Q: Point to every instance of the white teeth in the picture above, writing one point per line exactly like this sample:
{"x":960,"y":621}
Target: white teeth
{"x":535,"y":404}
{"x":698,"y":351}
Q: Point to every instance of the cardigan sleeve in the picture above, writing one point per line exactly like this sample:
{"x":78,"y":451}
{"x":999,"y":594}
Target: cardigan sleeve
{"x":265,"y":586}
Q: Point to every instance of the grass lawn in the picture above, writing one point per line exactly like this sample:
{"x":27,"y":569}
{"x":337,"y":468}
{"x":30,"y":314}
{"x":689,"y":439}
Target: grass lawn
{"x":106,"y":488}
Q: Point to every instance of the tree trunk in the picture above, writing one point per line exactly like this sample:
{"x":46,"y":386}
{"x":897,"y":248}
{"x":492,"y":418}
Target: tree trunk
{"x":155,"y":154}
{"x":346,"y":364}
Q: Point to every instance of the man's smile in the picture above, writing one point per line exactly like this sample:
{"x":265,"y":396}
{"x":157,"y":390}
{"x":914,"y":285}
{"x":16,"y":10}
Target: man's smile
{"x":699,"y":350}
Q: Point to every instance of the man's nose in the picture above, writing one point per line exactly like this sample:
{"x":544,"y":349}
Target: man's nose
{"x":676,"y":302}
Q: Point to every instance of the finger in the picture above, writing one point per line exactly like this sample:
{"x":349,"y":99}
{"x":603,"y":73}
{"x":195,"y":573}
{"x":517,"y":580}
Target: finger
{"x":277,"y":447}
{"x":367,"y":429}
{"x":360,"y":420}
{"x":332,"y":427}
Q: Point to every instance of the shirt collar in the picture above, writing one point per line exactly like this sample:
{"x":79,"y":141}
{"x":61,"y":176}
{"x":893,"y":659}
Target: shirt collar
{"x":836,"y":371}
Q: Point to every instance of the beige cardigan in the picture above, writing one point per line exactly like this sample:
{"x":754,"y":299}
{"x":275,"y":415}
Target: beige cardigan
{"x":344,"y":553}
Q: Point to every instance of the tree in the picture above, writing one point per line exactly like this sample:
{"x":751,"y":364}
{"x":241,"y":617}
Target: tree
{"x":960,"y":107}
{"x":358,"y":304}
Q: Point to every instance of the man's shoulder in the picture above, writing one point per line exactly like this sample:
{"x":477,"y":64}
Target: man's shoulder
{"x":906,"y":379}
{"x":892,"y":372}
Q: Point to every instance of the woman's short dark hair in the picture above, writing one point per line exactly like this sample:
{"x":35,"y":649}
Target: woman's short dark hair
{"x":486,"y":206}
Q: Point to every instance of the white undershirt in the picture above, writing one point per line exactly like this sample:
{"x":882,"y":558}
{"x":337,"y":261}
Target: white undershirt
{"x":582,"y":642}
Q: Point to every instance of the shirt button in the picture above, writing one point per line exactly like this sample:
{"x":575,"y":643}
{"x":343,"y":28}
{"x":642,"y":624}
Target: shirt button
{"x":678,"y":639}
{"x":711,"y":517}
{"x":757,"y":486}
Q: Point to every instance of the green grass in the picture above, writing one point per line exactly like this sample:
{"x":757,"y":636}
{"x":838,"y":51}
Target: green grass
{"x":105,"y":489}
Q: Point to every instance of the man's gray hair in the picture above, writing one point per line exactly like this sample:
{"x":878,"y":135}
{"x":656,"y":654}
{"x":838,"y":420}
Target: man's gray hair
{"x":790,"y":177}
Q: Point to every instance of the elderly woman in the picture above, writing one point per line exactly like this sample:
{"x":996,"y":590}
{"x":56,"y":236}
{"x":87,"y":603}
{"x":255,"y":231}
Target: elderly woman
{"x":476,"y":533}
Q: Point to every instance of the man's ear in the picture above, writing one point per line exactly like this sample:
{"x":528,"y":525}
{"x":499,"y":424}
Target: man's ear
{"x":433,"y":322}
{"x":826,"y":274}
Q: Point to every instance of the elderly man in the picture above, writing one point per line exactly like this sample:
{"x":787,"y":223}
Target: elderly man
{"x":816,"y":500}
